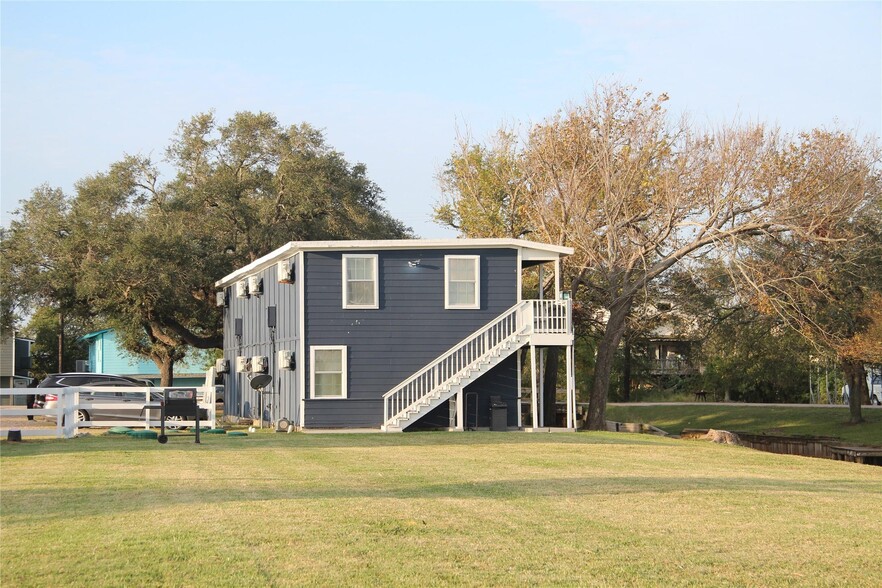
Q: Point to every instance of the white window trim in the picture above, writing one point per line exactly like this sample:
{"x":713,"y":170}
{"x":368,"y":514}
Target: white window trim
{"x":477,"y":302}
{"x":344,"y":380}
{"x":374,"y":258}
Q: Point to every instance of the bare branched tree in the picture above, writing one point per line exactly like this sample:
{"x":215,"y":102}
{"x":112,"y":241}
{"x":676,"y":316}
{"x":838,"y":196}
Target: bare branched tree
{"x":635,"y":195}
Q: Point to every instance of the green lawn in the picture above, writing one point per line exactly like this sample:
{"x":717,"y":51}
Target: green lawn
{"x":504,"y":509}
{"x":773,"y":420}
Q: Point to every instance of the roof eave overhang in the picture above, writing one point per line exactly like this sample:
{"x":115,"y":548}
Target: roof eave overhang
{"x":530,"y":250}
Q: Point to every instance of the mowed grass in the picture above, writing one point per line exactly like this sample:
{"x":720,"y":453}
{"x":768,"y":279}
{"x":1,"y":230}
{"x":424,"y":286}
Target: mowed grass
{"x":431,"y":509}
{"x":820,"y":421}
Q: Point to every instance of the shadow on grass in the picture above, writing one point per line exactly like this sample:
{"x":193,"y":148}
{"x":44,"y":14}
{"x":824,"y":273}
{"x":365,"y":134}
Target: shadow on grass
{"x":102,"y":442}
{"x":130,"y":500}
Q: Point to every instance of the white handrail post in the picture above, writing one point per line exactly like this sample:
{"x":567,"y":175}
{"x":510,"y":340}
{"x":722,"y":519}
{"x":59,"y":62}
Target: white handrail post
{"x":519,"y":317}
{"x":571,"y":423}
{"x":569,"y":311}
{"x":533,"y":401}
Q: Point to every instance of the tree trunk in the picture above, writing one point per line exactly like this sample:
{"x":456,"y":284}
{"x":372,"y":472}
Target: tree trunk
{"x":606,"y":350}
{"x":626,"y":373}
{"x":166,"y":367}
{"x":549,"y":386}
{"x":856,"y":379}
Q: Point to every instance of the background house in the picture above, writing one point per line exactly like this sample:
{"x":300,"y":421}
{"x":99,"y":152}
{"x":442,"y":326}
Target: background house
{"x":15,"y":361}
{"x":107,"y":357}
{"x":672,"y":341}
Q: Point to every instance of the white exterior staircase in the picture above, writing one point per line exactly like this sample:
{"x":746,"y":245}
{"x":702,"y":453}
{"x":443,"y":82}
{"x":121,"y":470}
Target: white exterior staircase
{"x":546,"y":322}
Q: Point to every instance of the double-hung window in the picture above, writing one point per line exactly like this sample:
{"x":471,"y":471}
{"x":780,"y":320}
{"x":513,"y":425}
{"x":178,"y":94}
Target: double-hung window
{"x":327,"y":371}
{"x":462,"y":283}
{"x":360,"y":283}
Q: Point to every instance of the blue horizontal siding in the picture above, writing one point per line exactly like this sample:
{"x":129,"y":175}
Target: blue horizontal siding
{"x":410,"y":328}
{"x":106,"y":356}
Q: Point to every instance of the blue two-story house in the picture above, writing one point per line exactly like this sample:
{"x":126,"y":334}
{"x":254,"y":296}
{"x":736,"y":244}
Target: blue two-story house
{"x":391,"y":334}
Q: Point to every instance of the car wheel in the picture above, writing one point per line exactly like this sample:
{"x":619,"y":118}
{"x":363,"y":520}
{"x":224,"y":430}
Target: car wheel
{"x":875,"y":400}
{"x":80,"y":416}
{"x":170,"y":423}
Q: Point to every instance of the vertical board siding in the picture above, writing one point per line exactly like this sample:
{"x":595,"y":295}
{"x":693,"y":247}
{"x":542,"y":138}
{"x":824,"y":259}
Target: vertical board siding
{"x":257,"y":339}
{"x":7,"y":355}
{"x":410,"y":328}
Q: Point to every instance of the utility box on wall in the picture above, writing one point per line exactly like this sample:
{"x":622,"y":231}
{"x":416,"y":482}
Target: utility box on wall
{"x":255,"y":285}
{"x":285,"y":361}
{"x":259,"y":364}
{"x":285,"y":271}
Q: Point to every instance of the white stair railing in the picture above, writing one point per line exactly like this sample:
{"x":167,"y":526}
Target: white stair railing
{"x":470,"y":354}
{"x":551,"y":317}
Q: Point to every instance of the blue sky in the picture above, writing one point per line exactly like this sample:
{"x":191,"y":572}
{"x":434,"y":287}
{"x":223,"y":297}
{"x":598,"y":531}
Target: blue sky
{"x":390,"y":83}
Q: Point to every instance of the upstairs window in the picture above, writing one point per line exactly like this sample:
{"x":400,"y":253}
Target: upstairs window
{"x":360,"y":289}
{"x":462,"y":284}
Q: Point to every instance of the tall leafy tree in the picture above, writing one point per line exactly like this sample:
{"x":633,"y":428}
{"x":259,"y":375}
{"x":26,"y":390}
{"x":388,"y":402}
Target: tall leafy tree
{"x":37,"y":261}
{"x":43,"y":328}
{"x":256,"y":185}
{"x":485,"y":195}
{"x":142,"y":254}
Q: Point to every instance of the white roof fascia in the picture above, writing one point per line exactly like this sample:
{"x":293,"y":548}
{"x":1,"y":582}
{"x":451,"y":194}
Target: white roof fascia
{"x":530,"y":250}
{"x":259,"y":264}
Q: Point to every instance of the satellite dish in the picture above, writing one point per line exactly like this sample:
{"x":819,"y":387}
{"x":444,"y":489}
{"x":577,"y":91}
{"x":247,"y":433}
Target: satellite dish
{"x":260,"y":381}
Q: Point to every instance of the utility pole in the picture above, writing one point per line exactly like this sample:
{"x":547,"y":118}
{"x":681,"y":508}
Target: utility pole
{"x":60,"y":341}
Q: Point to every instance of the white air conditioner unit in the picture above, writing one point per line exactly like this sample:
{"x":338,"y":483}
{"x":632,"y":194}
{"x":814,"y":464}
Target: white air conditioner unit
{"x":242,"y":289}
{"x":222,"y":366}
{"x":259,"y":364}
{"x":285,"y":271}
{"x":255,"y":285}
{"x":285,"y":360}
{"x":243,"y":364}
{"x":221,"y":298}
